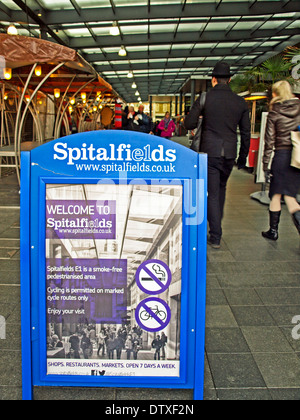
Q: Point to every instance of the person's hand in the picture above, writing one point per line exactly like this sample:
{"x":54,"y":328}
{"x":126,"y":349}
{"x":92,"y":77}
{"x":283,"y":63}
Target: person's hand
{"x":268,"y":176}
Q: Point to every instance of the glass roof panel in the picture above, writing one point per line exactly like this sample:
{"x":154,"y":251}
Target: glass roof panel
{"x":186,"y":47}
{"x":294,"y":25}
{"x":190,"y":27}
{"x":91,"y":50}
{"x":243,"y":26}
{"x":269,"y":44}
{"x":93,"y":3}
{"x":130,"y":3}
{"x":273,"y":24}
{"x":111,"y":50}
{"x":56,"y":4}
{"x":285,"y":15}
{"x":134,"y":30}
{"x":11,"y":5}
{"x":75,"y":33}
{"x":218,"y":26}
{"x":174,"y":60}
{"x":248,"y":44}
{"x":210,"y":46}
{"x":160,"y":47}
{"x":141,"y":48}
{"x":104,"y":31}
{"x":159,"y":2}
{"x":162,"y":28}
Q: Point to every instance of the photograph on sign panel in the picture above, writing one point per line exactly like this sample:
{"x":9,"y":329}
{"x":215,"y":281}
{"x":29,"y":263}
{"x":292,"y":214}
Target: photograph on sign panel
{"x":113,"y":279}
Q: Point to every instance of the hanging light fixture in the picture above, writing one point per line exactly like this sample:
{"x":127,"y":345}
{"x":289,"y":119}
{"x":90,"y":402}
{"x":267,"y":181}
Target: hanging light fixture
{"x":83,"y":96}
{"x":57,"y":93}
{"x":72,"y":101}
{"x":130,"y":75}
{"x":134,"y":86}
{"x":38,"y":71}
{"x":122,"y":52}
{"x":7,"y":73}
{"x":137,"y":93}
{"x":114,"y":30}
{"x":12,"y":30}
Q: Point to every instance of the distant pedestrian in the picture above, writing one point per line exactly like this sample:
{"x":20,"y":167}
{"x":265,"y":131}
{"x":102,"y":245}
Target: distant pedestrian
{"x":142,"y":122}
{"x":128,"y":118}
{"x":164,"y":340}
{"x":157,"y":345}
{"x":101,"y":342}
{"x":110,"y":346}
{"x":223,"y":113}
{"x":86,"y":346}
{"x":167,"y":126}
{"x":75,"y":346}
{"x":119,"y":346}
{"x":129,"y":346}
{"x":284,"y":117}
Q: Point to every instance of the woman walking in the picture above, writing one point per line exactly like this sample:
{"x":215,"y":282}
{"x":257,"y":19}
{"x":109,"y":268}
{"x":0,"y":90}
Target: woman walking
{"x":167,"y":126}
{"x":284,"y":117}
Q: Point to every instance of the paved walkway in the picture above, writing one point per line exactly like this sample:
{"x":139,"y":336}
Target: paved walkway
{"x":253,"y":294}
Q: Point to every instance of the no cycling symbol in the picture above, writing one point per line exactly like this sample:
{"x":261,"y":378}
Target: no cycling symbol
{"x":153,"y":277}
{"x":153,"y":314}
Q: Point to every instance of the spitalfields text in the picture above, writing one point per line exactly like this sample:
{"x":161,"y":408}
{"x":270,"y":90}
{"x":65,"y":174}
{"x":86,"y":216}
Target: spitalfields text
{"x":121,"y":153}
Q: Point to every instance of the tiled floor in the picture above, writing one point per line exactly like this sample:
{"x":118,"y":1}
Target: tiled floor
{"x":253,"y":293}
{"x":252,"y":296}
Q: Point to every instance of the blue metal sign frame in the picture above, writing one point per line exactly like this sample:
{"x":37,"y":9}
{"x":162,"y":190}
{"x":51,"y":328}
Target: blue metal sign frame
{"x":69,"y":161}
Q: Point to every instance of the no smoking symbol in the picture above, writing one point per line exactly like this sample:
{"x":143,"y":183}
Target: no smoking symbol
{"x":153,"y":277}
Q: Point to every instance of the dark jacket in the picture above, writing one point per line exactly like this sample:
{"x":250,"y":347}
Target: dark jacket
{"x":224,"y":112}
{"x":127,"y":123}
{"x":144,"y":124}
{"x":282,"y":120}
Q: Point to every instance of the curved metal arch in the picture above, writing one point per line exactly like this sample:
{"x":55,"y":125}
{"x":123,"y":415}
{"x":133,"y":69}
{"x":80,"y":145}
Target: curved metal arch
{"x":56,"y":134}
{"x":31,"y":98}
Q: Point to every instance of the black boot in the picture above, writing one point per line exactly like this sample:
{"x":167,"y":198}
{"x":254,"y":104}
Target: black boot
{"x":296,"y":219}
{"x":272,"y":234}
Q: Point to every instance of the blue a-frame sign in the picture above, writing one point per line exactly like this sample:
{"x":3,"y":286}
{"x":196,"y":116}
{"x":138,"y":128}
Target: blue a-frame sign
{"x":149,"y":229}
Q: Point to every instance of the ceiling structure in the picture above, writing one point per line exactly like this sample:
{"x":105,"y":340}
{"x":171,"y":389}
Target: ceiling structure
{"x":166,"y":41}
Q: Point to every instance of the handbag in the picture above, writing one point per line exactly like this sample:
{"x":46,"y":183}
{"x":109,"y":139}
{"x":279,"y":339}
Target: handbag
{"x":296,"y":149}
{"x":196,"y":143}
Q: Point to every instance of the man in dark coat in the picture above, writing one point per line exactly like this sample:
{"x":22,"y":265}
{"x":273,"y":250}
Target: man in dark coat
{"x":157,"y":345}
{"x":223,"y":113}
{"x":142,"y":122}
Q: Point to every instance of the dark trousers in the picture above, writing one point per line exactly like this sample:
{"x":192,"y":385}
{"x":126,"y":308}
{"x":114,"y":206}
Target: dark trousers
{"x":219,"y":171}
{"x":157,"y":354}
